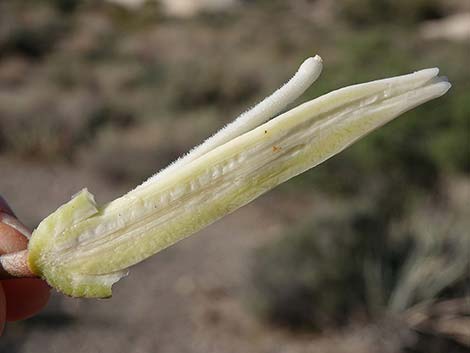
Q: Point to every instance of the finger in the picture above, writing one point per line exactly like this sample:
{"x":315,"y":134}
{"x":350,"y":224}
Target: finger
{"x":14,"y":223}
{"x":2,"y":309}
{"x":11,"y":240}
{"x":13,"y":234}
{"x":8,"y":217}
{"x":4,"y":207}
{"x":24,"y":297}
{"x":15,"y":265}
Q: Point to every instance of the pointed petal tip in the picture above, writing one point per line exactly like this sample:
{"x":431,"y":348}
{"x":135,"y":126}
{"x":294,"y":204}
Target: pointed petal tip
{"x":444,"y":86}
{"x":428,"y":73}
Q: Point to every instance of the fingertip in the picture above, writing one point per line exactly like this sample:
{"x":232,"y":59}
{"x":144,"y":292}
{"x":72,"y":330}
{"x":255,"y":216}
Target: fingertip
{"x":14,"y":223}
{"x":11,"y":240}
{"x":2,"y":309}
{"x":4,"y":207}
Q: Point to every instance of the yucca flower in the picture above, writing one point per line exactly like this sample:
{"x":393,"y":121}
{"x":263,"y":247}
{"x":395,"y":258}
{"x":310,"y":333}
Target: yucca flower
{"x":82,"y":249}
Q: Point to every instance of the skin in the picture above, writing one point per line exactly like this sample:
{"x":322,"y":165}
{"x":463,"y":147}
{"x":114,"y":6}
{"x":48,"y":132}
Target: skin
{"x":19,"y":298}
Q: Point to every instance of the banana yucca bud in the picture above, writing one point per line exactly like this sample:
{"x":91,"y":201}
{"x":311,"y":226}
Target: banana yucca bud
{"x":82,"y":249}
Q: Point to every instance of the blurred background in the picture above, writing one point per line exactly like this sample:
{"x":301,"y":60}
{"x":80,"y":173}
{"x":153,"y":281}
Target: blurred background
{"x":368,"y":252}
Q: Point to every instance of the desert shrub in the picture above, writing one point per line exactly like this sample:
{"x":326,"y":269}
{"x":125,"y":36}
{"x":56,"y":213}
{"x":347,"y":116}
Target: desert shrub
{"x":106,"y":116}
{"x":47,"y":134}
{"x":28,"y":42}
{"x":41,"y":137}
{"x":365,"y":12}
{"x":300,"y":281}
{"x":65,"y":6}
{"x":359,"y":261}
{"x":450,"y":148}
{"x":32,"y":38}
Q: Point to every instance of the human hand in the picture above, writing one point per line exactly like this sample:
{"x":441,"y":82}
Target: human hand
{"x":20,"y":298}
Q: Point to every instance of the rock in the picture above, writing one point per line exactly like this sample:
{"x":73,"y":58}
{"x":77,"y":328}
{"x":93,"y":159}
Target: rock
{"x":452,"y":28}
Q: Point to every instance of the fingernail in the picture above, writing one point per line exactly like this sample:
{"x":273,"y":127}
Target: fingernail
{"x":13,"y":222}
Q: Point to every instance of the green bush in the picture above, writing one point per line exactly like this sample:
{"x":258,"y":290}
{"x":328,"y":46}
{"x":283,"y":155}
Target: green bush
{"x":309,"y":279}
{"x":365,"y":12}
{"x":359,"y":260}
{"x":32,"y":35}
